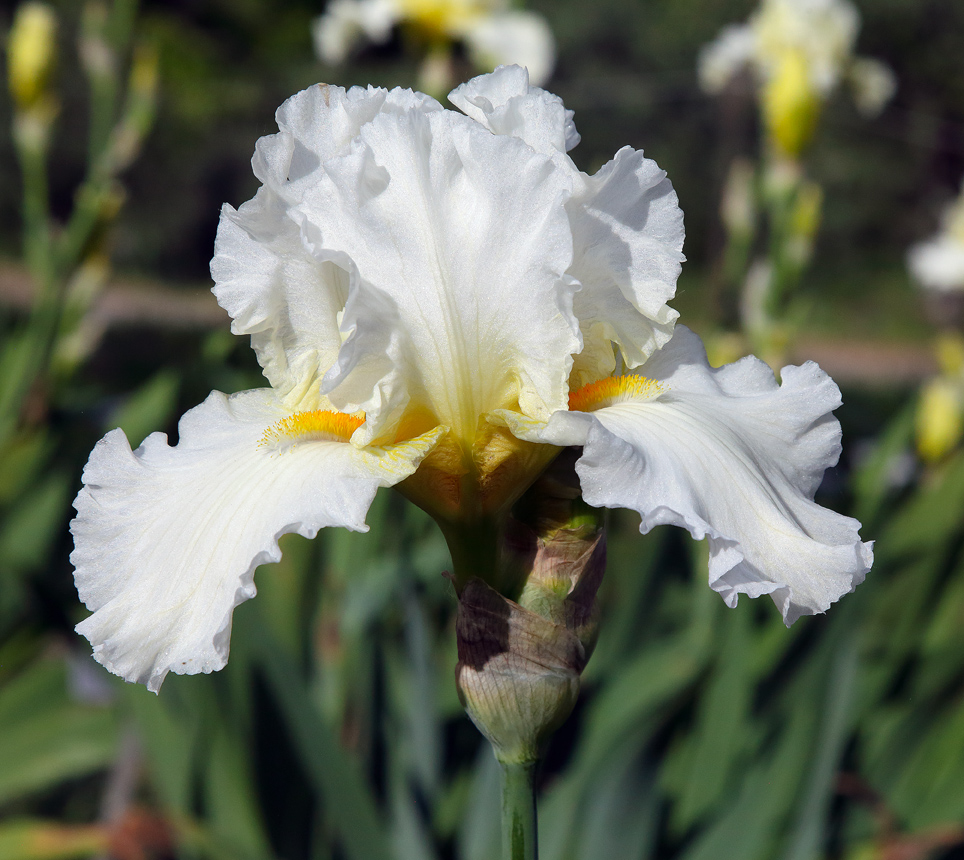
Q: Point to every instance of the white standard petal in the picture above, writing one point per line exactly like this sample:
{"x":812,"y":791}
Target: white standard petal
{"x":730,"y":455}
{"x":458,"y":241}
{"x":505,"y":103}
{"x":167,"y":539}
{"x":271,"y":286}
{"x":278,"y":293}
{"x":319,"y":123}
{"x":513,"y":38}
{"x":627,"y":232}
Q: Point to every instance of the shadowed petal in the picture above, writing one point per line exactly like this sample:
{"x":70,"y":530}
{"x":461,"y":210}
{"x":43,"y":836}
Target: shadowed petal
{"x":271,"y":286}
{"x":627,"y":232}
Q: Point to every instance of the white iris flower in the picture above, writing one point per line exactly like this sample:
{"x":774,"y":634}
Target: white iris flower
{"x":440,"y":301}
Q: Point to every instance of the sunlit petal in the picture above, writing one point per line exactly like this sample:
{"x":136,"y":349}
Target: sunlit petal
{"x":167,"y":539}
{"x":275,"y":291}
{"x":730,"y":455}
{"x":505,"y":103}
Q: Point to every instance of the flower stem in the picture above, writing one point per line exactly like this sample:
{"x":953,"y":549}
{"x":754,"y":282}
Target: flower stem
{"x":519,"y":835}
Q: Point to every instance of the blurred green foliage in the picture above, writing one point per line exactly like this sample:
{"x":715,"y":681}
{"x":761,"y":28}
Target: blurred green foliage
{"x":335,"y":730}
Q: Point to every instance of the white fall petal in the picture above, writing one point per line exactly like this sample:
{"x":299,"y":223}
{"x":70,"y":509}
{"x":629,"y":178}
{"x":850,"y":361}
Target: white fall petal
{"x":168,"y":538}
{"x":730,"y":455}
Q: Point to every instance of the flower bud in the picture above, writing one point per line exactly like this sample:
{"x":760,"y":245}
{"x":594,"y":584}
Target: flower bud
{"x":790,"y":105}
{"x":520,"y":661}
{"x":940,"y":422}
{"x":31,"y":53}
{"x":518,"y":673}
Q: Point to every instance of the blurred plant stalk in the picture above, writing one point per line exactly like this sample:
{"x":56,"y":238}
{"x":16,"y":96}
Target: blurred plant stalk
{"x":784,"y":210}
{"x":797,"y":55}
{"x":521,"y":653}
{"x":69,"y":262}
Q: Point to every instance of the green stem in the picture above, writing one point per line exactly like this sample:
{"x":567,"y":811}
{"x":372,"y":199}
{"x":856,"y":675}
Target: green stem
{"x":474,"y":550}
{"x":520,"y":839}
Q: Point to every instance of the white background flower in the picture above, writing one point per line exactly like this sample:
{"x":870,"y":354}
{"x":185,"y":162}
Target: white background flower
{"x":821,"y":32}
{"x":493,"y":33}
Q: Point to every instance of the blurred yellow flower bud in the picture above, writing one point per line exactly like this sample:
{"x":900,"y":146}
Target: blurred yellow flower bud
{"x":940,"y":423}
{"x":790,"y":104}
{"x":31,"y":53}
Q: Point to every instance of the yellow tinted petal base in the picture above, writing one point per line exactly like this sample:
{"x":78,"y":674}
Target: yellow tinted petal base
{"x":317,"y":425}
{"x":613,"y":390}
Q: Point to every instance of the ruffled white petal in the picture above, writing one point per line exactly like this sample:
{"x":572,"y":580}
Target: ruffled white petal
{"x":318,"y":124}
{"x":167,"y":539}
{"x":505,"y":103}
{"x":628,"y":237}
{"x":730,"y":455}
{"x":513,"y":38}
{"x":279,"y":294}
{"x":458,"y":243}
{"x":274,"y":290}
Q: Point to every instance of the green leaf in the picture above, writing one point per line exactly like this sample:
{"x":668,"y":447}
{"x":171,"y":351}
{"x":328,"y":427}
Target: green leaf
{"x":723,"y":724}
{"x":230,"y":794}
{"x":809,"y":829}
{"x":873,"y":480}
{"x":620,"y":812}
{"x":45,"y":738}
{"x":928,"y":791}
{"x":29,"y":530}
{"x":20,"y":460}
{"x":335,"y":776}
{"x":480,"y":837}
{"x":929,"y":519}
{"x":169,"y":734}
